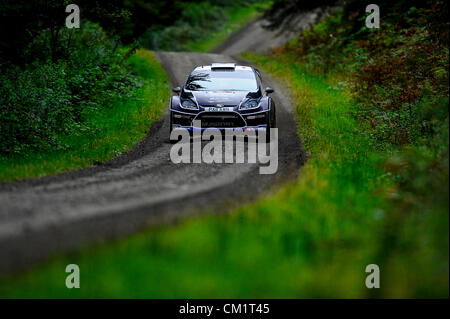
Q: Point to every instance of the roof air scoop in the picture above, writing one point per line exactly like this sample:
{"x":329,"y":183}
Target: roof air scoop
{"x":222,"y":66}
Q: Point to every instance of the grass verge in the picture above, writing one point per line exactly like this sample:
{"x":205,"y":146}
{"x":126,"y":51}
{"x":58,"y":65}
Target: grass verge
{"x":313,"y":238}
{"x":119,"y":128}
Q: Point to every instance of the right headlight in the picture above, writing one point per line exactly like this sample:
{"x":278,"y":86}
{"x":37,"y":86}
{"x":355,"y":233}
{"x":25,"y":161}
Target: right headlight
{"x":189,"y":104}
{"x":249,"y":104}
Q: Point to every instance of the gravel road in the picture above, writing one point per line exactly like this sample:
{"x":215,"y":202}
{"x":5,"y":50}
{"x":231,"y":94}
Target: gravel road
{"x":44,"y":216}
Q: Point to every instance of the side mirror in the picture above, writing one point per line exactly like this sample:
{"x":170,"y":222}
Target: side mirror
{"x":176,"y":90}
{"x":269,"y":90}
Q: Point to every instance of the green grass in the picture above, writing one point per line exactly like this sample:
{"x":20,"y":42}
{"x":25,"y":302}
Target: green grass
{"x":312,"y":238}
{"x":121,"y":126}
{"x":238,"y":17}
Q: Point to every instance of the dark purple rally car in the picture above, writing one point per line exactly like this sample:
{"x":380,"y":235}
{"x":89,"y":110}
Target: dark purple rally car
{"x":223,"y":96}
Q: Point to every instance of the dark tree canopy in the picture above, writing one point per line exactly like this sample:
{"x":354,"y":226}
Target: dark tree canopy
{"x":21,"y":21}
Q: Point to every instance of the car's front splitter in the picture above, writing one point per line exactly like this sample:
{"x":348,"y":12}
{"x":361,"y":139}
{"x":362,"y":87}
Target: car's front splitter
{"x":245,"y":128}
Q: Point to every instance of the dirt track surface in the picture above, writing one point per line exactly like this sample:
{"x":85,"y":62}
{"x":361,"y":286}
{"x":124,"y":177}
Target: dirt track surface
{"x":43,"y":216}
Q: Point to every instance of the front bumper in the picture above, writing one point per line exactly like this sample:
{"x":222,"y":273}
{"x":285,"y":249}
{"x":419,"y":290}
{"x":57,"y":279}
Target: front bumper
{"x":229,"y":120}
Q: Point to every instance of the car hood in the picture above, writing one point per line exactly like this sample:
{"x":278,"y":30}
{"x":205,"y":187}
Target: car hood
{"x":226,"y":98}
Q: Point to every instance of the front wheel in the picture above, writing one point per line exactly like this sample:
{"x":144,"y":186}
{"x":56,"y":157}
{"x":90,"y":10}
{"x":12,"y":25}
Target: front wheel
{"x":272,"y":123}
{"x":268,"y":135}
{"x":269,"y":124}
{"x":171,"y":129}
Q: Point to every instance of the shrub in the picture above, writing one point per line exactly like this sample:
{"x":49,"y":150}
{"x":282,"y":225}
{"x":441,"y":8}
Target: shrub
{"x":399,"y":72}
{"x":35,"y":106}
{"x":44,"y":101}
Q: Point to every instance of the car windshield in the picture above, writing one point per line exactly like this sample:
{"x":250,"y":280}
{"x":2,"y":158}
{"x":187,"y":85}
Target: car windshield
{"x":222,"y":81}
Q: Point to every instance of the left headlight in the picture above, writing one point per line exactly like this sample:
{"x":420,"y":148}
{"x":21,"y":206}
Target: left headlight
{"x":249,"y":104}
{"x":189,"y":104}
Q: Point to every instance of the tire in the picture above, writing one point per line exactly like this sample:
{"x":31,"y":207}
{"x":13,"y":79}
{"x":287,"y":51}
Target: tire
{"x":269,"y":125}
{"x":171,"y":129}
{"x":272,"y":124}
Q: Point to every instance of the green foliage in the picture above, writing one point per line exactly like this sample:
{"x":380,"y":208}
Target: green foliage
{"x":394,"y":69}
{"x":107,"y":130}
{"x":35,"y":106}
{"x":398,"y":76}
{"x":45,"y":101}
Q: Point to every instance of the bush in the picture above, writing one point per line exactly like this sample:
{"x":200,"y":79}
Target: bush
{"x":35,"y":106}
{"x":43,"y":101}
{"x":399,"y":72}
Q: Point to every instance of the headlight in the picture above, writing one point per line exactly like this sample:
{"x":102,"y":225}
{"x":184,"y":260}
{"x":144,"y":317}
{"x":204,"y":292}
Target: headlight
{"x":249,"y":104}
{"x":189,"y":104}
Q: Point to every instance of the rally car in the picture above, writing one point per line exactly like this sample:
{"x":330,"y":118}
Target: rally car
{"x":223,"y":96}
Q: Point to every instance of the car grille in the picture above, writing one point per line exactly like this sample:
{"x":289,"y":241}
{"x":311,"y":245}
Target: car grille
{"x":220,"y":120}
{"x":215,"y":105}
